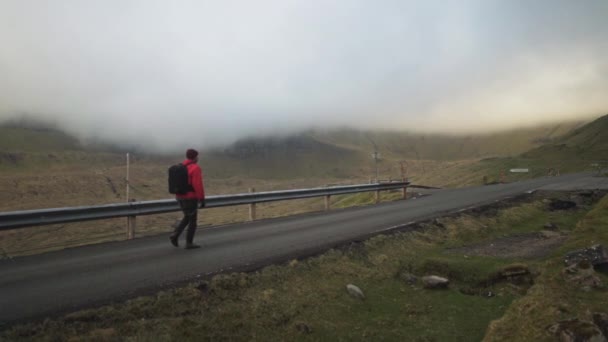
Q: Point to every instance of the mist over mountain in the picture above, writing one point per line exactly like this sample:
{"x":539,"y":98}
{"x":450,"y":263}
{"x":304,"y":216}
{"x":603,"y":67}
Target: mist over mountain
{"x":160,"y":75}
{"x":36,"y":136}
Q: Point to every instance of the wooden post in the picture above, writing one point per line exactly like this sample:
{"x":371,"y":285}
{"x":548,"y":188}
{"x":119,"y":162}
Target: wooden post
{"x":131,"y":224}
{"x":327,"y":202}
{"x":130,"y":219}
{"x":377,"y":196}
{"x":405,"y":192}
{"x":252,"y":207}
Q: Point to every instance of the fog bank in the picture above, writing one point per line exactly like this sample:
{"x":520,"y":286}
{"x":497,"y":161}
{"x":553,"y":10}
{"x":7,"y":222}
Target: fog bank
{"x":164,"y":74}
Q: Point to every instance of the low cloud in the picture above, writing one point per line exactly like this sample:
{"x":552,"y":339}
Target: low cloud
{"x":164,"y":74}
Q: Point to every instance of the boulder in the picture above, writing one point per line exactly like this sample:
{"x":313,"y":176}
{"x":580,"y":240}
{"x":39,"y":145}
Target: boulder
{"x":550,"y":226}
{"x":583,"y":197}
{"x":355,"y":291}
{"x":583,"y":275}
{"x":601,"y":320}
{"x":575,"y":330}
{"x":549,"y":234}
{"x":435,"y":282}
{"x":514,"y":270}
{"x":596,"y":255}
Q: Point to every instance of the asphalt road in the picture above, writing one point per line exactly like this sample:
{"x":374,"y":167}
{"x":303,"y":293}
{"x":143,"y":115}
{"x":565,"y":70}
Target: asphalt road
{"x":58,"y":282}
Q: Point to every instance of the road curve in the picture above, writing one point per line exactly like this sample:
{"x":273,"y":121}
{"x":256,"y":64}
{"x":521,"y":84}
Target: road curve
{"x":58,"y":282}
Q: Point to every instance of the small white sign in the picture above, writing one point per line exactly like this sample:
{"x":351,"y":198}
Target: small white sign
{"x":519,"y":170}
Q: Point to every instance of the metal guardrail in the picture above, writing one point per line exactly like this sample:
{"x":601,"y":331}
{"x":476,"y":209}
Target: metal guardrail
{"x":414,"y":186}
{"x":26,"y":218}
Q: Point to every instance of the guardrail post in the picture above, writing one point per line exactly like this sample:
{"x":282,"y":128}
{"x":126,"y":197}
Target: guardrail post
{"x":252,"y":207}
{"x":131,"y":224}
{"x":377,"y":196}
{"x":405,"y":192}
{"x":327,"y":202}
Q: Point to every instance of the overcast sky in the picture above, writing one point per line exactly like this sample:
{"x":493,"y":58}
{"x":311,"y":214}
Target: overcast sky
{"x":161,"y":73}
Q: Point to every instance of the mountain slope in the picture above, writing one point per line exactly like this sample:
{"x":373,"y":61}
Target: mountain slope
{"x":22,"y":139}
{"x":589,"y":142}
{"x":343,"y":154}
{"x":420,"y":146}
{"x":289,"y":157}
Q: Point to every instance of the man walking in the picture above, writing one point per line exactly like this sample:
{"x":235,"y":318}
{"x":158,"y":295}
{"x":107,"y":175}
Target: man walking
{"x":190,"y":201}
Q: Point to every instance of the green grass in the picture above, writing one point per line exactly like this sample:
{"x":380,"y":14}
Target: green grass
{"x":306,"y":299}
{"x":552,"y":298}
{"x":364,"y":198}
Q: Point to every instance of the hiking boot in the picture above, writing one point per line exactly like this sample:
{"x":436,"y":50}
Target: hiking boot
{"x":174,"y":241}
{"x":192,"y":246}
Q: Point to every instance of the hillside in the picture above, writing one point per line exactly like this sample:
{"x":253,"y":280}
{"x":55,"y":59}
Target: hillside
{"x":295,"y":156}
{"x":43,"y":167}
{"x":22,"y":139}
{"x":420,"y":146}
{"x":583,"y":149}
{"x":347,"y":152}
{"x":335,"y":154}
{"x":589,"y":142}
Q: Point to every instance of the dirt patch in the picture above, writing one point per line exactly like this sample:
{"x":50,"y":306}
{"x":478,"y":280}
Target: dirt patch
{"x":526,"y":246}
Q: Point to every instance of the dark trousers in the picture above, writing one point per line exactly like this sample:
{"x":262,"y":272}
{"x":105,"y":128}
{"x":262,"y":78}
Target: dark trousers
{"x":190,"y":209}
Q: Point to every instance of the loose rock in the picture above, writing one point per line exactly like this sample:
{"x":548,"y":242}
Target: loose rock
{"x":596,"y":255}
{"x":514,"y":270}
{"x":583,"y":275}
{"x":575,"y":330}
{"x":549,"y":234}
{"x":355,"y":291}
{"x":435,"y":282}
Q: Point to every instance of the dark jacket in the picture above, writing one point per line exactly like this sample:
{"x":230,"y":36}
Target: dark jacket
{"x":195,"y":178}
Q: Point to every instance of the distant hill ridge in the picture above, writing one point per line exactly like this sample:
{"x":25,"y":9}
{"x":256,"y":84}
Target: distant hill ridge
{"x":25,"y":137}
{"x":588,"y":142}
